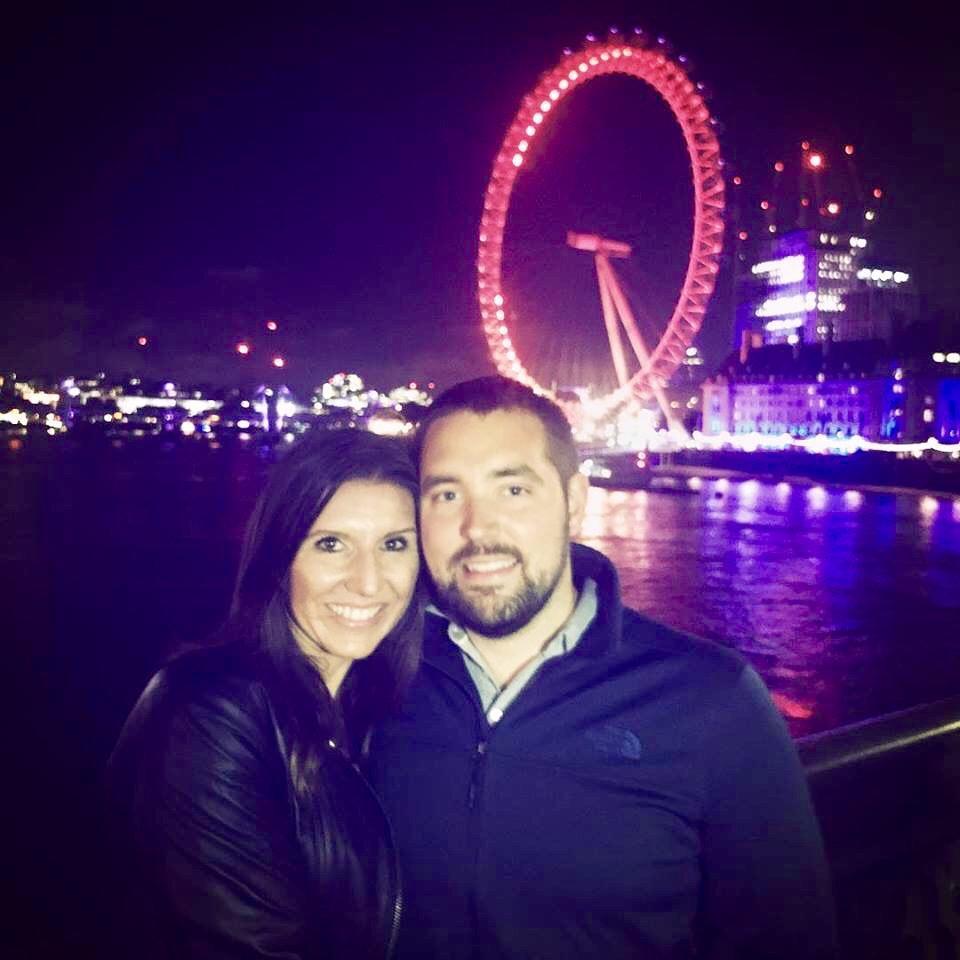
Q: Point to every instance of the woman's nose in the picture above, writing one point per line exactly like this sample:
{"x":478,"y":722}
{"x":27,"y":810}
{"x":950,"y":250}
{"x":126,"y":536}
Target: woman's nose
{"x":364,"y":577}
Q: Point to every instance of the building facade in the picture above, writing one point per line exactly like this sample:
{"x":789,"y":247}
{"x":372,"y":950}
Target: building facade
{"x":809,"y":286}
{"x":858,"y":388}
{"x":822,"y":351}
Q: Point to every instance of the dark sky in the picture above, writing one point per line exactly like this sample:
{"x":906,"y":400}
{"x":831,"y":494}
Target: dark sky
{"x":190,"y":173}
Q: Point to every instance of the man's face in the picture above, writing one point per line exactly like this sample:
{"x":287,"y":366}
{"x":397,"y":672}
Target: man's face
{"x":496,"y":520}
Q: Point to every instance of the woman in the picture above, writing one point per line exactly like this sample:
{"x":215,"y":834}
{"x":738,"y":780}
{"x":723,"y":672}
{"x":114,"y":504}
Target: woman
{"x":245,"y":829}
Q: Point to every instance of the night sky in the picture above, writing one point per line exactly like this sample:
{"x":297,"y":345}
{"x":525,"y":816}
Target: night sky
{"x":189,"y":174}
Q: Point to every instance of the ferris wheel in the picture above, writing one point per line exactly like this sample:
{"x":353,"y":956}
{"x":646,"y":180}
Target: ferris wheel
{"x":651,"y":63}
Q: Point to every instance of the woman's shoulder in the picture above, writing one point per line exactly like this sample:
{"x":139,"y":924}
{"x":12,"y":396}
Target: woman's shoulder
{"x":206,"y":692}
{"x":207,"y":674}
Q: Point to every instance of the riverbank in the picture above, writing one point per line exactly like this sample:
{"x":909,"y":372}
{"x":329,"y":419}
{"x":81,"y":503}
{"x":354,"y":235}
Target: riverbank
{"x":869,"y":471}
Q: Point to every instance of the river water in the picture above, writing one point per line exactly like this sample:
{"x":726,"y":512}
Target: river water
{"x":847,"y":602}
{"x":112,"y":555}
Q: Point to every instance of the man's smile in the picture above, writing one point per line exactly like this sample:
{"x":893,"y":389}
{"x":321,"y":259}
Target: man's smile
{"x":479,"y":566}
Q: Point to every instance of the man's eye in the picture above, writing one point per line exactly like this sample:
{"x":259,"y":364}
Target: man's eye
{"x":327,"y":544}
{"x":515,"y":490}
{"x":444,"y":496}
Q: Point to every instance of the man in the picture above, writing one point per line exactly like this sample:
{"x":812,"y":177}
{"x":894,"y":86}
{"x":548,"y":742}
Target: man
{"x":569,"y":778}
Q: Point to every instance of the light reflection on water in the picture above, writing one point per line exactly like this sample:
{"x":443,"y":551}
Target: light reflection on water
{"x":845,"y":601}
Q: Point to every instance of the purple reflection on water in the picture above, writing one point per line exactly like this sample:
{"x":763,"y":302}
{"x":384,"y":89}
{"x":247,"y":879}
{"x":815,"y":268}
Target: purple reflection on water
{"x":845,"y":601}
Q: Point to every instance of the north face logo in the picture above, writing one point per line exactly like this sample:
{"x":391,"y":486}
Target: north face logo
{"x":615,"y":742}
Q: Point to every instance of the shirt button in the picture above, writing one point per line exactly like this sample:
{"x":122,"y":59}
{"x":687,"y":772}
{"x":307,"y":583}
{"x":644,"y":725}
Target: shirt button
{"x":495,"y":715}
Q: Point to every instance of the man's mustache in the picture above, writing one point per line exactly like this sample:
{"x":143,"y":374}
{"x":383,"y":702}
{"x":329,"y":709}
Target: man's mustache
{"x":485,"y":549}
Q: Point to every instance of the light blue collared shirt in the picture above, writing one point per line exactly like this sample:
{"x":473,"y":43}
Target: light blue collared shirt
{"x":494,"y":698}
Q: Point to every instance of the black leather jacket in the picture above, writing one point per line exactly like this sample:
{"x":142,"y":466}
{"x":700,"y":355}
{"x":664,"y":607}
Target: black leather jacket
{"x":216,"y":856}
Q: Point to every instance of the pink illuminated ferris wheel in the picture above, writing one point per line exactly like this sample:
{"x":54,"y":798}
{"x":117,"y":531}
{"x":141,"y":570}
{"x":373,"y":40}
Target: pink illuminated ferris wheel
{"x":654,"y":66}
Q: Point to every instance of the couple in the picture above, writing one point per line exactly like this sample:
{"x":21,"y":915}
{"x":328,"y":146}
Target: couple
{"x":552,"y":776}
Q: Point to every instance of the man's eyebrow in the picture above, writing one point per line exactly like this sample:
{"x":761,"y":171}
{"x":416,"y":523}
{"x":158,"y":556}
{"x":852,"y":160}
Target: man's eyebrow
{"x":520,"y":470}
{"x":432,"y":480}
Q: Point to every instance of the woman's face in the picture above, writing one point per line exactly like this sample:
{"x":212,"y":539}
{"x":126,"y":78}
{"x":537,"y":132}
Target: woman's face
{"x":354,"y":575}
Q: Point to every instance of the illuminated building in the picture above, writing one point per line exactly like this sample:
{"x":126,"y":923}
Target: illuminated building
{"x":811,"y":286}
{"x":821,"y":341}
{"x":345,"y":390}
{"x":840,"y":390}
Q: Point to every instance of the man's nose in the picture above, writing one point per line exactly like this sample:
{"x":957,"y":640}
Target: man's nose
{"x":364,"y":577}
{"x":479,"y":519}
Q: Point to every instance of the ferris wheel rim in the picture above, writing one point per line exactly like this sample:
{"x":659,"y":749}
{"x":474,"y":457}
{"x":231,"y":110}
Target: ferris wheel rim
{"x":670,"y":80}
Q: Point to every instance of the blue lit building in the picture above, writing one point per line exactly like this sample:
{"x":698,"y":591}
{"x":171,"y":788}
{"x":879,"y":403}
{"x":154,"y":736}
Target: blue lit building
{"x":810,"y":286}
{"x":820,"y":333}
{"x":835,"y":389}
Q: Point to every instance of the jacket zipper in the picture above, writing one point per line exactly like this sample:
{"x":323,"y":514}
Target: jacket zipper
{"x":395,"y":859}
{"x":476,"y":775}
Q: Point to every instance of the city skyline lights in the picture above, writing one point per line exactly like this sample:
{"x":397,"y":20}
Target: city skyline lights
{"x":198,"y":247}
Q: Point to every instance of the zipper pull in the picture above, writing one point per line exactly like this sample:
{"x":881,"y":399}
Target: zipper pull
{"x":475,"y":775}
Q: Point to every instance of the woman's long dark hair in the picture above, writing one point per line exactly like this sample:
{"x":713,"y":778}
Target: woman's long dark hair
{"x":259,"y":623}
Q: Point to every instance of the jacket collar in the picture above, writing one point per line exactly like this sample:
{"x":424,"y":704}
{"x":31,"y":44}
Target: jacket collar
{"x":601,"y":636}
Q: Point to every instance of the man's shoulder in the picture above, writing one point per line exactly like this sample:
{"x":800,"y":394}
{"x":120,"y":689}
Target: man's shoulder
{"x":645,"y":637}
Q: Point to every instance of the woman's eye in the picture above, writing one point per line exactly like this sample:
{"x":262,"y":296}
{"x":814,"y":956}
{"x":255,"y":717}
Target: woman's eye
{"x":396,"y":544}
{"x":327,"y":544}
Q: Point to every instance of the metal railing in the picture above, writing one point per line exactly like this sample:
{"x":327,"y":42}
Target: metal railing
{"x":887,"y":793}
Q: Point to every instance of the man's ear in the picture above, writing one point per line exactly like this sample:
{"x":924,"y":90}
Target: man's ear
{"x":577,"y":488}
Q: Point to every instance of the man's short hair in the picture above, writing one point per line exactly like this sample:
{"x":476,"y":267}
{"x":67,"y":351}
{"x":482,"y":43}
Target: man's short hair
{"x":485,"y":395}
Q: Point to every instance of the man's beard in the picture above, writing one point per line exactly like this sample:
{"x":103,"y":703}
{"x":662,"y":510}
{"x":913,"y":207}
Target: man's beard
{"x":498,"y":616}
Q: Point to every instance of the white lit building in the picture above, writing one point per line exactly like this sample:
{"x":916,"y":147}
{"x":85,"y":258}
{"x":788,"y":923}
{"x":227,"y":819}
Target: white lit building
{"x":812,"y":287}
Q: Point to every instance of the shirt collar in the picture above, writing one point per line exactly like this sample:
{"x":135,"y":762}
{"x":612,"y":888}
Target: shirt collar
{"x":563,"y":641}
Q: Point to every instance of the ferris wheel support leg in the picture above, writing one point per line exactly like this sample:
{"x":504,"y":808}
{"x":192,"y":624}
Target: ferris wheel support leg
{"x":640,"y":349}
{"x":610,"y":319}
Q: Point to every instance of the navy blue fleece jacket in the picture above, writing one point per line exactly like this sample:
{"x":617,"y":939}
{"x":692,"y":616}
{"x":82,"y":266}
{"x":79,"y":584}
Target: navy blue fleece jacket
{"x":641,"y":798}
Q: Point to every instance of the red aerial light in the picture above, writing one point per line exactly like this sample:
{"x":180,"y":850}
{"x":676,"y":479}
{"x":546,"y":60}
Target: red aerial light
{"x":804,"y":201}
{"x":278,"y":361}
{"x":742,"y":234}
{"x":413,"y":386}
{"x":848,"y":149}
{"x":764,"y":204}
{"x":272,"y":325}
{"x":142,"y":341}
{"x":833,"y":208}
{"x":778,"y":167}
{"x":877,"y":193}
{"x":243,"y":349}
{"x":805,"y":145}
{"x":737,"y":181}
{"x":431,"y":385}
